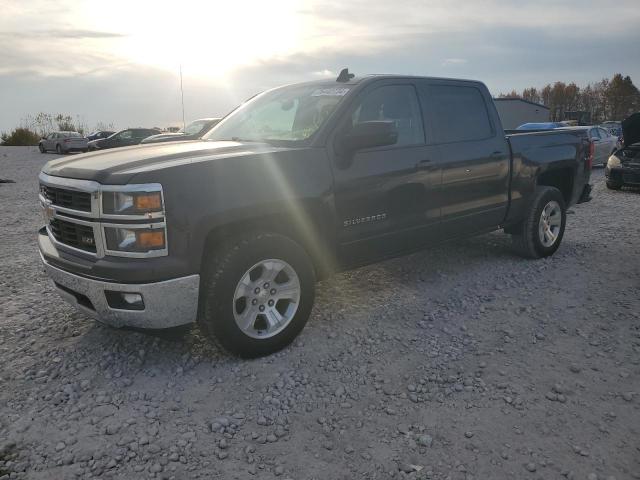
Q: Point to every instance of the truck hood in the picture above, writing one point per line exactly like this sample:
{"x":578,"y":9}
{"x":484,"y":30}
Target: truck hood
{"x":118,"y":166}
{"x":631,"y":129}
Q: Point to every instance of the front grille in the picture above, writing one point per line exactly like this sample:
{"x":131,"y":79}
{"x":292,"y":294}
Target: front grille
{"x":631,"y":177}
{"x":73,"y":234}
{"x":67,"y":198}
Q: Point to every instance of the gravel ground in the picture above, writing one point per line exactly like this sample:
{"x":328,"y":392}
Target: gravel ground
{"x":460,"y":362}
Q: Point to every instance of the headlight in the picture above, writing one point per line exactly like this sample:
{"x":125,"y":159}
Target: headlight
{"x":134,"y":221}
{"x":136,"y":200}
{"x":613,"y":162}
{"x":135,"y":240}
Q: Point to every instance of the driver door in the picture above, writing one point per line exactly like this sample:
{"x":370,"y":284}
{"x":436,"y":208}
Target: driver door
{"x":384,"y":203}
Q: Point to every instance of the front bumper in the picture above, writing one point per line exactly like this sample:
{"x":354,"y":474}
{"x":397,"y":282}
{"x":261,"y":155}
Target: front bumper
{"x":167,"y":304}
{"x":623,"y":175}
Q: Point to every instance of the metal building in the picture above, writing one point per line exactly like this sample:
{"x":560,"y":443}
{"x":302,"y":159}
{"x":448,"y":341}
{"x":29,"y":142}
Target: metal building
{"x":516,"y":111}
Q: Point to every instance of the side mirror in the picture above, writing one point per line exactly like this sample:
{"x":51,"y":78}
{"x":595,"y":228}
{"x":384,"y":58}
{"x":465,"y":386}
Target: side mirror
{"x":368,"y":135}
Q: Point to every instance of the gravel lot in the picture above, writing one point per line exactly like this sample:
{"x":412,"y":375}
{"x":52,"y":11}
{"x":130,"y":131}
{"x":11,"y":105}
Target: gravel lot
{"x":461,"y":362}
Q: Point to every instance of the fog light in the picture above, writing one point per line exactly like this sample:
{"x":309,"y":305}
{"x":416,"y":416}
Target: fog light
{"x":124,"y":300}
{"x":132,"y":298}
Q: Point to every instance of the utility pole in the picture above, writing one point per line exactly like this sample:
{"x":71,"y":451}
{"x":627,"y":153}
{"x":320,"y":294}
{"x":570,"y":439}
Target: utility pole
{"x":182,"y":97}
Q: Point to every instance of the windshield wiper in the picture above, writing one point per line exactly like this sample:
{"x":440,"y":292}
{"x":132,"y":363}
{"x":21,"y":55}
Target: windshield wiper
{"x":238,"y":139}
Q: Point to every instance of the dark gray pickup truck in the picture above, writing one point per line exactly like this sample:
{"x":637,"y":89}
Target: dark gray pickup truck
{"x":233,"y":231}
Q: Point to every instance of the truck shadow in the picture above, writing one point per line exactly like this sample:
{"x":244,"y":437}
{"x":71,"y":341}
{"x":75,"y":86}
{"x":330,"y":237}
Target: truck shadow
{"x":339,"y":299}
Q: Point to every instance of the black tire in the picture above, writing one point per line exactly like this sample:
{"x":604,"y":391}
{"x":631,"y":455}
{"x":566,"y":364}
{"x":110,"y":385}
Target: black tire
{"x":41,"y":148}
{"x":58,"y":149}
{"x":614,"y":186}
{"x":221,"y":274}
{"x":526,"y":241}
{"x":85,"y":150}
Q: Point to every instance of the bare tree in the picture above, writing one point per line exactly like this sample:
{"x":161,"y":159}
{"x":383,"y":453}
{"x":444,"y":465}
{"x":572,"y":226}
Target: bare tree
{"x":607,"y":99}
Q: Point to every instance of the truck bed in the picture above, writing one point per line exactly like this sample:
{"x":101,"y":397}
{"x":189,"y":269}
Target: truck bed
{"x":535,"y":152}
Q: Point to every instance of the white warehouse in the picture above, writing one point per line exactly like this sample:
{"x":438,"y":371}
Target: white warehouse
{"x":516,"y":111}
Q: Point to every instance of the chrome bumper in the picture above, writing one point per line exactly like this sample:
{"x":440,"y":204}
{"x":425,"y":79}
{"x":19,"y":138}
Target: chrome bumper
{"x":166,"y":304}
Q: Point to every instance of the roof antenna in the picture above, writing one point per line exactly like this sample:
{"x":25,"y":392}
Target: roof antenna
{"x":344,"y":76}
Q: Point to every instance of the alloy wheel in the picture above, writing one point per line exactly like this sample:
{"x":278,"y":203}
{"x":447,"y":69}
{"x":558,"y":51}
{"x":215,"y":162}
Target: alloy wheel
{"x":550,"y":223}
{"x":266,"y":298}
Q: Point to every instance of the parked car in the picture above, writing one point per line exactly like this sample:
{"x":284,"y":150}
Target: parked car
{"x":123,"y":138}
{"x":613,"y":127}
{"x":541,"y":126}
{"x":63,"y":142}
{"x":233,"y":231}
{"x":604,"y":143}
{"x":623,"y":167}
{"x":193,"y":131}
{"x":99,"y":134}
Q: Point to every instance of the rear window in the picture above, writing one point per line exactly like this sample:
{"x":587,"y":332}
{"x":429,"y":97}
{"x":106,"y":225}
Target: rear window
{"x":143,"y":133}
{"x":460,"y":114}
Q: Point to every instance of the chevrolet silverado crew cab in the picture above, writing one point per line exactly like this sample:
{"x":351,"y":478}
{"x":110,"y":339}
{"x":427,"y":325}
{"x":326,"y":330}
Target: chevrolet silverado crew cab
{"x":233,"y":231}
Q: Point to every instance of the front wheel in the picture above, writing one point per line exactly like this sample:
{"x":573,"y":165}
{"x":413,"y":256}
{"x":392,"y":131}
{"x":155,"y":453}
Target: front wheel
{"x":58,"y":149}
{"x":542,"y":230}
{"x":41,"y":148}
{"x":257,"y":294}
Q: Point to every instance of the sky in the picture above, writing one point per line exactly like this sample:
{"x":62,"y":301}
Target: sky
{"x":118,"y":61}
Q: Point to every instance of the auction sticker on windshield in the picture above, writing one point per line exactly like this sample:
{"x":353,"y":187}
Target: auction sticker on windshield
{"x":330,"y":92}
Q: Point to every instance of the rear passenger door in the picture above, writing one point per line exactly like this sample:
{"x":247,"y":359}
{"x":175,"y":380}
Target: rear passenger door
{"x":141,"y":134}
{"x":473,"y":156}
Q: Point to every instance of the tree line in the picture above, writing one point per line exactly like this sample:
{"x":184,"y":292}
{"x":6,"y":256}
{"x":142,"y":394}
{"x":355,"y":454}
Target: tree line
{"x":608,"y":99}
{"x":34,"y":127}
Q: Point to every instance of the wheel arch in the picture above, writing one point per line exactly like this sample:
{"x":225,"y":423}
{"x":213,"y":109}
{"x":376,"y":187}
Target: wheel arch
{"x":561,"y":178}
{"x":310,"y":227}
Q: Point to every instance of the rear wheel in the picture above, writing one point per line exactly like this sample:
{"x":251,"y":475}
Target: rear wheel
{"x":541,"y":232}
{"x":58,"y":149}
{"x":614,"y":186}
{"x":41,"y":148}
{"x":257,"y":294}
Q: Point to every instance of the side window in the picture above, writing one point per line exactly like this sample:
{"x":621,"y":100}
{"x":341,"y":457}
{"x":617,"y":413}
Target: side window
{"x":594,"y":133}
{"x":460,"y":114}
{"x":397,"y":103}
{"x":125,"y":135}
{"x":603,"y":133}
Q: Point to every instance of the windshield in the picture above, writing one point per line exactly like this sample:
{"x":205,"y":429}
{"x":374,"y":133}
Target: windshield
{"x":193,"y":127}
{"x":286,"y":115}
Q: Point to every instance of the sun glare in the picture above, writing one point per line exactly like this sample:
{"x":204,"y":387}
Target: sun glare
{"x":208,"y":38}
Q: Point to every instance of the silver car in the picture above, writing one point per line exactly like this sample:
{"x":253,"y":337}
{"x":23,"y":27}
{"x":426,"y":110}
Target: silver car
{"x":63,"y":142}
{"x":604,"y":143}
